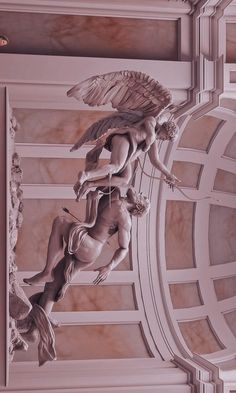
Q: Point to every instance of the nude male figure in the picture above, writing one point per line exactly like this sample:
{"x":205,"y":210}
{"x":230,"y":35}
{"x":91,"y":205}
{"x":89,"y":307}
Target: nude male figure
{"x":84,"y":242}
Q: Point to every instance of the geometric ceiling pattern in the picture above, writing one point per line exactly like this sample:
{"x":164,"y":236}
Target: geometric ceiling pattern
{"x":174,"y":294}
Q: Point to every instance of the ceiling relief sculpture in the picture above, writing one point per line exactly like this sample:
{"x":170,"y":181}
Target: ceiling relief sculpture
{"x":160,"y":304}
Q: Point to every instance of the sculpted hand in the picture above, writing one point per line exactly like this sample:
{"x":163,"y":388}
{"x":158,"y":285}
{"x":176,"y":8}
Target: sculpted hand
{"x":171,"y":180}
{"x":104,"y":272}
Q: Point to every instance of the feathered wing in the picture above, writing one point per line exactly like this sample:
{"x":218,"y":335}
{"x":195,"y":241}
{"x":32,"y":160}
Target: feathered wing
{"x":134,"y":94}
{"x":102,"y":126}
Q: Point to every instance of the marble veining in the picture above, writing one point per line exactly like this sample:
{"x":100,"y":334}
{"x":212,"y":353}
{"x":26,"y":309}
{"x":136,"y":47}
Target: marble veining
{"x":199,"y":336}
{"x":222,"y":235}
{"x":225,"y":181}
{"x":230,"y":42}
{"x":52,"y":170}
{"x":100,"y":342}
{"x":178,"y":235}
{"x":230,"y":318}
{"x":97,"y":298}
{"x":81,"y":35}
{"x":188,"y":172}
{"x":230,"y":150}
{"x":225,"y":287}
{"x":199,"y":133}
{"x":54,"y":126}
{"x":185,"y":295}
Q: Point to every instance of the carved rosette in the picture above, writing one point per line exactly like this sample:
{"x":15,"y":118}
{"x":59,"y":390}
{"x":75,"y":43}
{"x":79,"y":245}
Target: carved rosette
{"x":19,"y":305}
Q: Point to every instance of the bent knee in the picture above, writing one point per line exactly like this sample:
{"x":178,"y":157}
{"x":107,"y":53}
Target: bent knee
{"x":60,"y":220}
{"x":114,"y":168}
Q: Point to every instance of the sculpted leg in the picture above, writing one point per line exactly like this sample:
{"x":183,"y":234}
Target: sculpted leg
{"x":120,"y":180}
{"x":60,"y":228}
{"x":119,"y":153}
{"x":64,"y":273}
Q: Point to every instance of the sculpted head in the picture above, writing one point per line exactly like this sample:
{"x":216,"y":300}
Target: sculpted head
{"x":168,"y":131}
{"x":140,"y":203}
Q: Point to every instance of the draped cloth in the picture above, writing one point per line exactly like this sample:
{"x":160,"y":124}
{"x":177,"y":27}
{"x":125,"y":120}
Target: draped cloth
{"x":77,"y":234}
{"x":46,"y":346}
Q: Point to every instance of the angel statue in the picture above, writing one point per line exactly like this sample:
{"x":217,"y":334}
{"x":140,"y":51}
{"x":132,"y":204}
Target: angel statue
{"x":136,"y":127}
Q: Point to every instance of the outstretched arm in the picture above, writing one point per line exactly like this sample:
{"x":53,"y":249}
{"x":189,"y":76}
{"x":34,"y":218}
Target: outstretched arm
{"x":156,"y":162}
{"x":119,"y":255}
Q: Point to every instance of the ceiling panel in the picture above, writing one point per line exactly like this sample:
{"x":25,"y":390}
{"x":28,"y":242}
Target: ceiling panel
{"x":79,"y":35}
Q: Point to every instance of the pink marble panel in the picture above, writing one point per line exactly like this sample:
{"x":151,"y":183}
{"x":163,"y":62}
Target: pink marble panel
{"x":54,"y":126}
{"x":94,"y":342}
{"x":230,"y":42}
{"x":225,"y":287}
{"x":230,"y":318}
{"x":199,"y":336}
{"x":92,"y":297}
{"x":187,"y":172}
{"x":225,"y":181}
{"x":32,"y":243}
{"x":178,"y":234}
{"x":222,"y":234}
{"x":185,"y":295}
{"x":81,"y":35}
{"x":229,"y":103}
{"x":199,"y":133}
{"x":100,"y":342}
{"x":232,"y":77}
{"x":52,"y":170}
{"x":97,"y":298}
{"x":230,"y":150}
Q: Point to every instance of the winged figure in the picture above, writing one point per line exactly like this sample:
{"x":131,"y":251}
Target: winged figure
{"x":134,"y":128}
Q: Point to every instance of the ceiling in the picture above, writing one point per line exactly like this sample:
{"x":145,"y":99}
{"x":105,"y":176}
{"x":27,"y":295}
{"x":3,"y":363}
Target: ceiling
{"x":192,"y":235}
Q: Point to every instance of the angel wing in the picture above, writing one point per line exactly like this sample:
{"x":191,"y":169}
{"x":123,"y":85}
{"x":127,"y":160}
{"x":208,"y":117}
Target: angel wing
{"x":102,"y":126}
{"x":134,"y":94}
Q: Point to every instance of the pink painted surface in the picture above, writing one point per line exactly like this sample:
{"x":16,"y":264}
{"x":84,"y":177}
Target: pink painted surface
{"x":230,"y":150}
{"x":54,"y":126}
{"x":199,"y":133}
{"x":185,"y":295}
{"x":80,"y":35}
{"x":230,"y":42}
{"x":225,"y":287}
{"x":199,"y":336}
{"x":188,"y":172}
{"x":178,"y":235}
{"x":230,"y":318}
{"x":222,"y":235}
{"x":225,"y":181}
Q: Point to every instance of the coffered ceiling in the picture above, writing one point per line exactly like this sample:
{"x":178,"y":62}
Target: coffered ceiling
{"x":176,"y":289}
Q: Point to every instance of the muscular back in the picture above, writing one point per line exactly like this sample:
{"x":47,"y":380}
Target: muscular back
{"x":111,"y":218}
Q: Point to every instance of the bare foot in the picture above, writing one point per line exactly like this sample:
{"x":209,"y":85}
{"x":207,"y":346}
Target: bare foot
{"x":39,"y":278}
{"x":80,"y":181}
{"x":83,"y":188}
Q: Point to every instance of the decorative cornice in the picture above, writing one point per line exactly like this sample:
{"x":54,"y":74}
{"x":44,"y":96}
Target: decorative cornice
{"x":119,"y":8}
{"x":202,"y":375}
{"x":208,"y":58}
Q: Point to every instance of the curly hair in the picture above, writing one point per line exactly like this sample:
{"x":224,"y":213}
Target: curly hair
{"x":171,"y":129}
{"x":141,"y":207}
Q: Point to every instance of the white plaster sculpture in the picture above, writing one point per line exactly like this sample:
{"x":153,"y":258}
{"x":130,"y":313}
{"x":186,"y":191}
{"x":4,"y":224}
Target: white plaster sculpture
{"x":84,"y":242}
{"x":135,"y":128}
{"x":19,"y":305}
